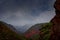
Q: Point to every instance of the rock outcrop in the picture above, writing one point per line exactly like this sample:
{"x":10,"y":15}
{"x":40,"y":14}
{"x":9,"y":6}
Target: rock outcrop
{"x":55,"y":32}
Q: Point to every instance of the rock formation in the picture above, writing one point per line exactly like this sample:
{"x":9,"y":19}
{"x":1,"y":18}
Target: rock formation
{"x":55,"y":32}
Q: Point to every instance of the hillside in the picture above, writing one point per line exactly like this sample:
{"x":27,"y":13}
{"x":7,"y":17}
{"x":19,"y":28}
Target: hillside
{"x":7,"y":33}
{"x":45,"y":31}
{"x":39,"y":31}
{"x":35,"y":27}
{"x":36,"y":32}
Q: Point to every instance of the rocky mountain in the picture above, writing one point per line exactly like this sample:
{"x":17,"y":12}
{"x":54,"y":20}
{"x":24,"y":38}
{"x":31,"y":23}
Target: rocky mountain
{"x":34,"y":27}
{"x":55,"y":30}
{"x":39,"y":31}
{"x":33,"y":30}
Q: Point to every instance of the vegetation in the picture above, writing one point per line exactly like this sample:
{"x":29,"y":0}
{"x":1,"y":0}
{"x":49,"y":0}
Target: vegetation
{"x":45,"y":31}
{"x":7,"y":34}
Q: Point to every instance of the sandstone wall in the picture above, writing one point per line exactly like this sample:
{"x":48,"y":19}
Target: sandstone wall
{"x":55,"y":32}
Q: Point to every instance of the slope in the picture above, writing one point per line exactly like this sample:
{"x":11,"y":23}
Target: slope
{"x":7,"y":34}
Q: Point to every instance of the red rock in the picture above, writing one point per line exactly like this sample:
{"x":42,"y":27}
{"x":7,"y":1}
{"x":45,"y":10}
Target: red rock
{"x":56,"y":22}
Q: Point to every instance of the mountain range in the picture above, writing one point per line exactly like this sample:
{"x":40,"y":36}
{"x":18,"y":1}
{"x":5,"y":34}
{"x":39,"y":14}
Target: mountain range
{"x":9,"y":32}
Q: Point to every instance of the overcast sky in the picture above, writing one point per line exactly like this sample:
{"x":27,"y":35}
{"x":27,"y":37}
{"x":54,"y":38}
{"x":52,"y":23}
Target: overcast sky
{"x":22,"y":12}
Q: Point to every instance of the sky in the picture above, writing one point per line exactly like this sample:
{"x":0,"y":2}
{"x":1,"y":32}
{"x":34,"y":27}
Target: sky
{"x":23,"y":12}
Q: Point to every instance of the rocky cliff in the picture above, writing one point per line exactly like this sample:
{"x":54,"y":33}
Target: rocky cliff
{"x":55,"y":32}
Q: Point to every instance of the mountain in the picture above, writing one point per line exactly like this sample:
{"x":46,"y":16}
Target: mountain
{"x":7,"y":32}
{"x":24,"y":28}
{"x":11,"y":27}
{"x":55,"y":31}
{"x":45,"y":31}
{"x":33,"y":30}
{"x":35,"y":27}
{"x":39,"y":31}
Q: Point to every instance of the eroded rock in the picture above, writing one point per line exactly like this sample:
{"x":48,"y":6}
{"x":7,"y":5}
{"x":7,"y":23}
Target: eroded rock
{"x":56,"y":22}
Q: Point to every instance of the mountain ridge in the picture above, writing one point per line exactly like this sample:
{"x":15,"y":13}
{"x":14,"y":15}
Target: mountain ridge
{"x":7,"y":33}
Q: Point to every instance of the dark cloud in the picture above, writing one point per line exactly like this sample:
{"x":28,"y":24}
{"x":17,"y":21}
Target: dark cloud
{"x":21,"y":12}
{"x":30,"y":4}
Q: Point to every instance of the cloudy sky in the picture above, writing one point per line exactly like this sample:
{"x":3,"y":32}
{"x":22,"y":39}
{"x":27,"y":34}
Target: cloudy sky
{"x":22,"y":12}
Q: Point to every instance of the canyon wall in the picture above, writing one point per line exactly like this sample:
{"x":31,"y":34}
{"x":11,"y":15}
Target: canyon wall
{"x":55,"y":31}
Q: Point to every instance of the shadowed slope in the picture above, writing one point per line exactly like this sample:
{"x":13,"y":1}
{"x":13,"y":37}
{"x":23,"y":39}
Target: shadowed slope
{"x":55,"y":32}
{"x":7,"y":34}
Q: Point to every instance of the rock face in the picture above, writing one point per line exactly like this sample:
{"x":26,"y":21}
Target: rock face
{"x":55,"y":32}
